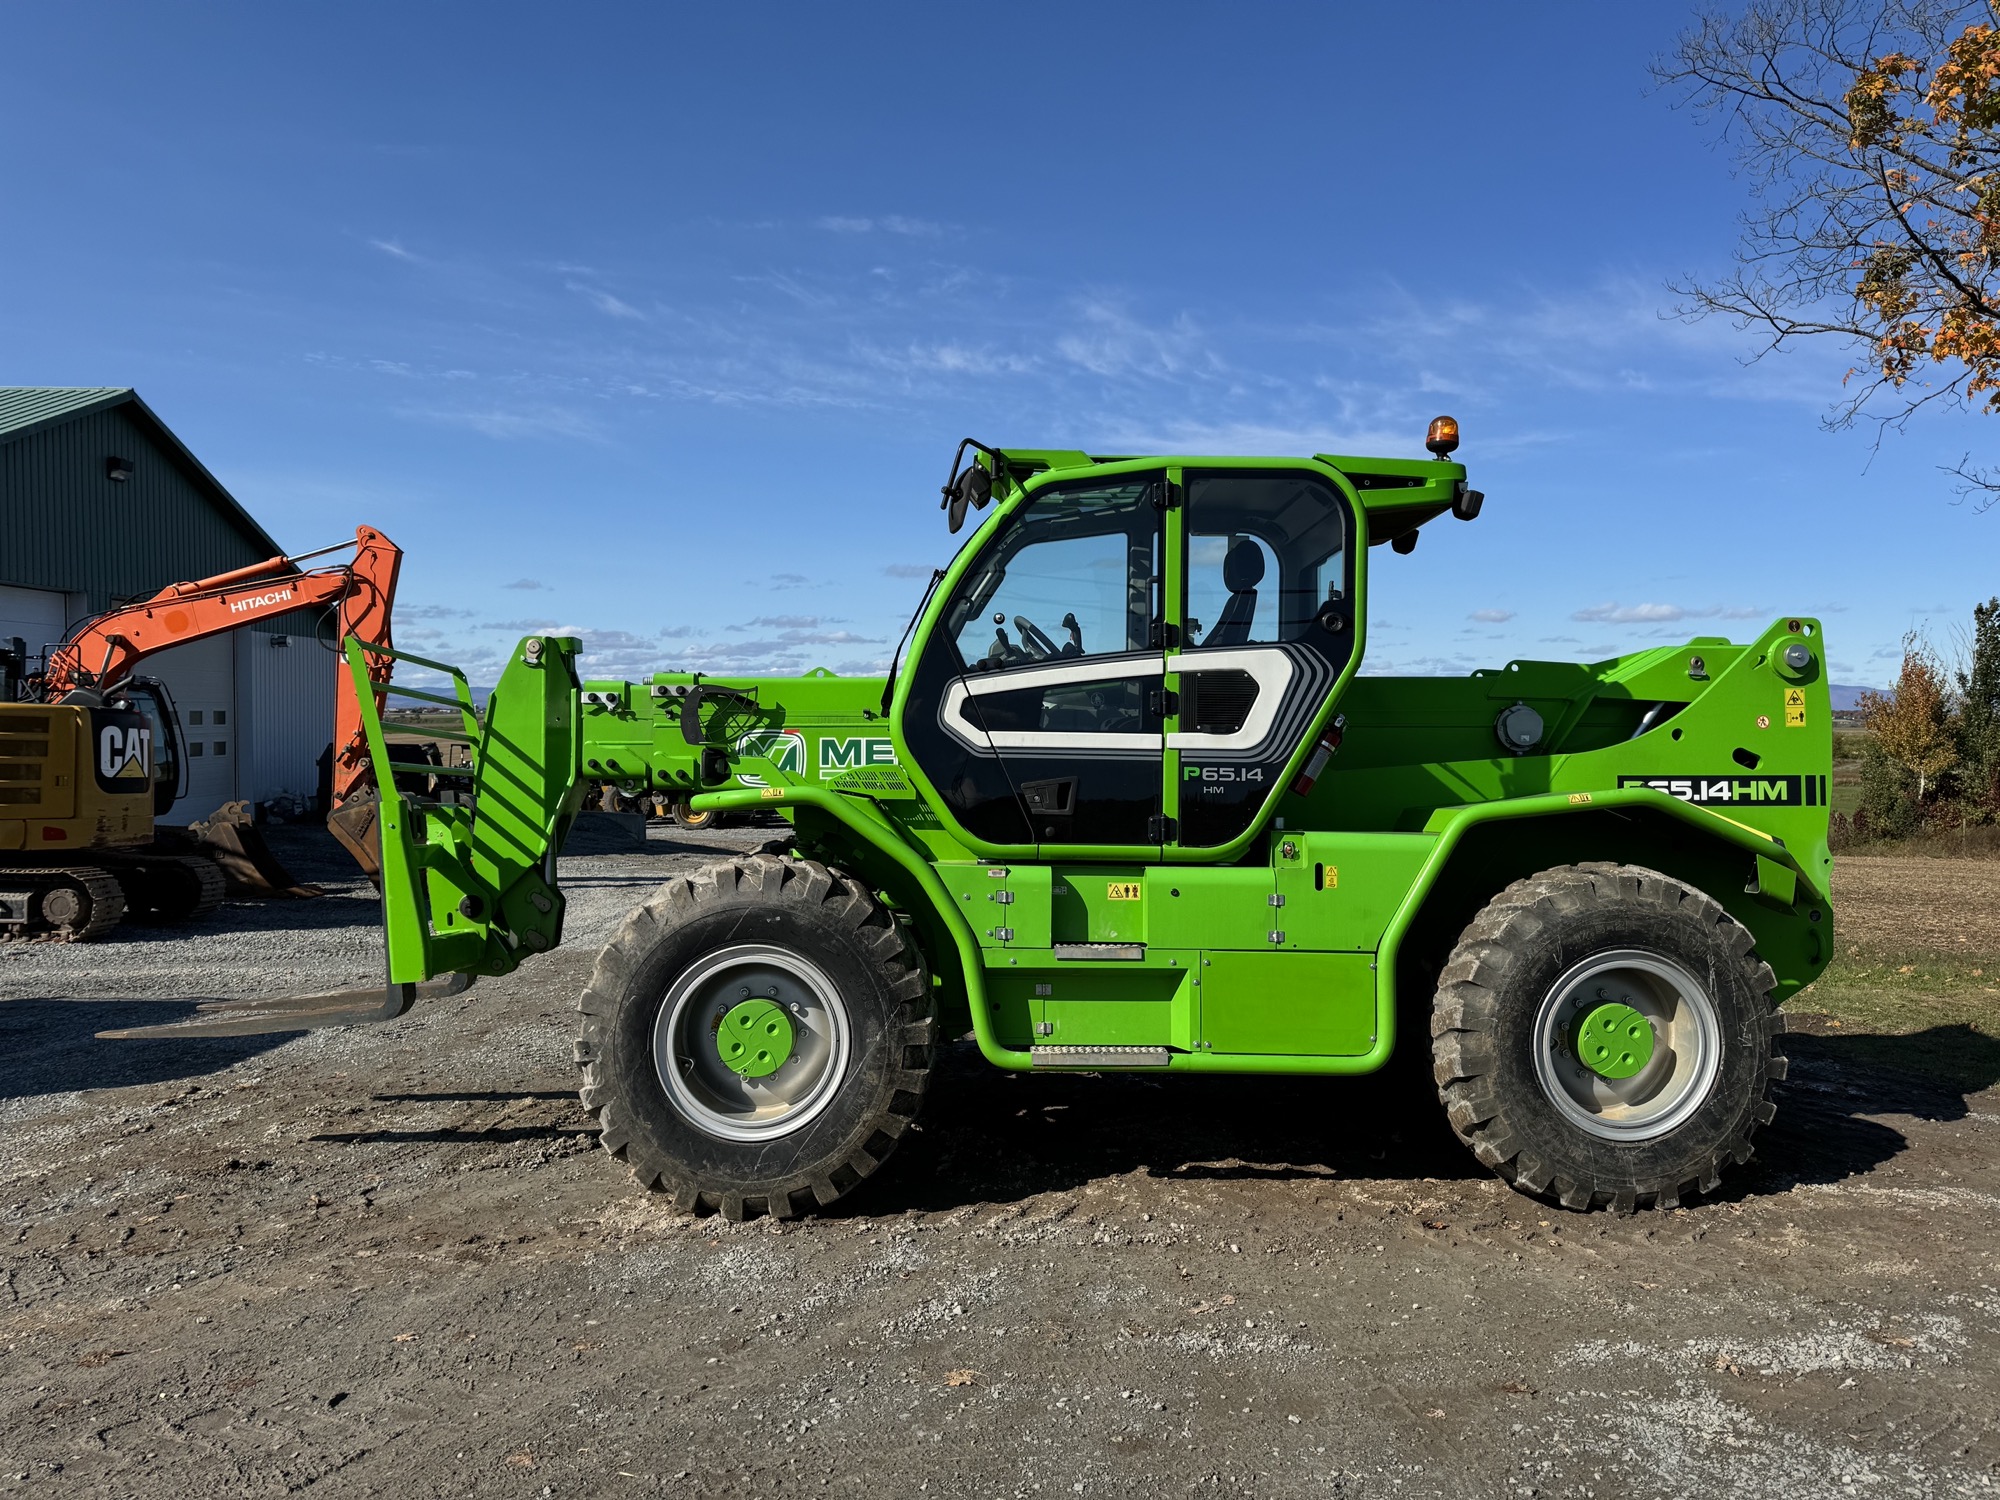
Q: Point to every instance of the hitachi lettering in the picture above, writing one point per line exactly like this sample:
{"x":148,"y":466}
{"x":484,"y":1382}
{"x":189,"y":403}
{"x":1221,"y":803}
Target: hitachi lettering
{"x":261,"y":601}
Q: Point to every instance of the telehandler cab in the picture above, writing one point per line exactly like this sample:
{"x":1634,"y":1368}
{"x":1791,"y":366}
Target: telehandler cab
{"x":1124,"y":804}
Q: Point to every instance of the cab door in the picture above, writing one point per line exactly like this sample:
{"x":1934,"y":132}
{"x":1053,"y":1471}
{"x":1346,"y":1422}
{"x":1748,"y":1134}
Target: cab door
{"x":1047,"y":668}
{"x":1266,"y":614}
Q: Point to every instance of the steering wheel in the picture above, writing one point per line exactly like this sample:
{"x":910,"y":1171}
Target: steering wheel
{"x":1033,"y":639}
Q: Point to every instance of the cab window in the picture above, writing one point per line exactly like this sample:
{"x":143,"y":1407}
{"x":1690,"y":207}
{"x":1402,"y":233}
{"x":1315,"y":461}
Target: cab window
{"x":1267,"y":556}
{"x":1073,"y":578}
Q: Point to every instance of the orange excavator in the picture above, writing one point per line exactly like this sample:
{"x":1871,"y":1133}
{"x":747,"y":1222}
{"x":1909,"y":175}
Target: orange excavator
{"x":91,"y":752}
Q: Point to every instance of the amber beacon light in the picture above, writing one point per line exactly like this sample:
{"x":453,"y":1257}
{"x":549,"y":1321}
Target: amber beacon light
{"x":1443,"y":435}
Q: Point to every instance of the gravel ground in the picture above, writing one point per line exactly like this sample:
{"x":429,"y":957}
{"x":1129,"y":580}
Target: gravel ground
{"x":389,"y":1260}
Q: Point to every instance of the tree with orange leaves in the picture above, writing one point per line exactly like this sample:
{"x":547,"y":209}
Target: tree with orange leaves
{"x":1871,"y":136}
{"x":1916,"y":724}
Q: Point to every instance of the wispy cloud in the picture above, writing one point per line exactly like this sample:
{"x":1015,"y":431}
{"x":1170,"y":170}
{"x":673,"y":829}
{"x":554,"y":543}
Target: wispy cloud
{"x":1491,"y":616}
{"x":886,"y":223}
{"x":525,"y":583}
{"x":781,"y":622}
{"x":1611,"y":335}
{"x":827,"y":638}
{"x":501,"y":422}
{"x":1113,"y":342}
{"x":392,"y":247}
{"x":1661,"y":614}
{"x":604,"y":302}
{"x":908,"y":570}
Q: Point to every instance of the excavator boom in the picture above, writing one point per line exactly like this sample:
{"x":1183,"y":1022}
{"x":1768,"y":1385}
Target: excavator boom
{"x":105,"y":651}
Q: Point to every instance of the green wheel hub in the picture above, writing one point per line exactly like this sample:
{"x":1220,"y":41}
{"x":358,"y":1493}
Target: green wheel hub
{"x":754,"y":1038}
{"x":1613,"y":1041}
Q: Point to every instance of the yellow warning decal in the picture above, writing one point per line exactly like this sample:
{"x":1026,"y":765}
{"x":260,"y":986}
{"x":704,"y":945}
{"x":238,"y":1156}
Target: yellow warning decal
{"x":1795,"y":718}
{"x":1795,"y":697}
{"x":1123,"y":890}
{"x":772,"y":793}
{"x":1332,"y":878}
{"x":1577,"y":799}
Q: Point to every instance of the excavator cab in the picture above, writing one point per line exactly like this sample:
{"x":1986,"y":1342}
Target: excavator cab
{"x":149,"y":696}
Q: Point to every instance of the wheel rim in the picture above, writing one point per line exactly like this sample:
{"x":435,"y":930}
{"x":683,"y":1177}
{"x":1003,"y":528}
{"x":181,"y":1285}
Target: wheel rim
{"x":751,"y":1042}
{"x":1627,"y":1045}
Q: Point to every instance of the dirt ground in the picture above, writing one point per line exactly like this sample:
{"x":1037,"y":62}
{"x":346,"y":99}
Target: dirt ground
{"x":390,"y":1261}
{"x":1918,"y":906}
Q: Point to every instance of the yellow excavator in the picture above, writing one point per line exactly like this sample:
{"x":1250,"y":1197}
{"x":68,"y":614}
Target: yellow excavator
{"x":91,"y":754}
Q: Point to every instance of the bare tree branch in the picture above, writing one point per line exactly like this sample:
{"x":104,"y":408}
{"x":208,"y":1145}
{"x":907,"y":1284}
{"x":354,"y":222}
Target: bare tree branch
{"x":1869,"y":132}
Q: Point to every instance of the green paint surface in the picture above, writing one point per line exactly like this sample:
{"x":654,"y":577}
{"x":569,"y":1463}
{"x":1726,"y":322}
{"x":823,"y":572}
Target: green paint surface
{"x":755,"y":1038}
{"x":1614,"y":1041}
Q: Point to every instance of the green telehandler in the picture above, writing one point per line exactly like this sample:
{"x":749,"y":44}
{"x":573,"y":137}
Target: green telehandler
{"x":1124,"y":804}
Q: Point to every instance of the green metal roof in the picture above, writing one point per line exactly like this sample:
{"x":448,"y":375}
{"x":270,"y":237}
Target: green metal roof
{"x":26,"y":409}
{"x":29,"y":408}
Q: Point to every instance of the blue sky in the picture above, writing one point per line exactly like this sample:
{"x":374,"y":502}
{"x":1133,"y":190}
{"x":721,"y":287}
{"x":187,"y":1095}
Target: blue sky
{"x":659,"y":323}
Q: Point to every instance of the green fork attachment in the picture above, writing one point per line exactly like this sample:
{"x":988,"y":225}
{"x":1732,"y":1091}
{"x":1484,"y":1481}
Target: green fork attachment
{"x":468,"y":878}
{"x":468,"y":875}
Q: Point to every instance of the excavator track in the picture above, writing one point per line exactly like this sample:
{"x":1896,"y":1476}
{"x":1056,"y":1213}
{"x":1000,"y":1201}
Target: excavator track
{"x":59,"y":903}
{"x":168,"y":887}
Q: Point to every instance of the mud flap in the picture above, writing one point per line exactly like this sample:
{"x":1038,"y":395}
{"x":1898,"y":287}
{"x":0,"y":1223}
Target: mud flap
{"x":263,"y":1017}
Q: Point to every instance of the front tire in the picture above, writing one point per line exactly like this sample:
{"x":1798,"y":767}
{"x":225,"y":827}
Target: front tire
{"x":756,"y":1038}
{"x":1601,"y":1037}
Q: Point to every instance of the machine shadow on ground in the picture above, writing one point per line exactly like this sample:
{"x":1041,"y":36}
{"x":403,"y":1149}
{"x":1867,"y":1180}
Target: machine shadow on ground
{"x":1827,"y":1127}
{"x":571,"y":1124}
{"x":990,"y":1137}
{"x":52,"y":1046}
{"x":331,"y":912}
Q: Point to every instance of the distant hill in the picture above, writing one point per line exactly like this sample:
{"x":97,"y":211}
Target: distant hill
{"x":1847,"y":697}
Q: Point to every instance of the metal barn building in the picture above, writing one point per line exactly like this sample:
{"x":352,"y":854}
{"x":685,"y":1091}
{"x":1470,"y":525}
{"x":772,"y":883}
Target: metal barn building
{"x":101,"y":504}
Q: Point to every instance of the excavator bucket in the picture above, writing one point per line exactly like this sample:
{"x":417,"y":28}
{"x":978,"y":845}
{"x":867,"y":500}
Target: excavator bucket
{"x":230,"y":838}
{"x":357,"y":824}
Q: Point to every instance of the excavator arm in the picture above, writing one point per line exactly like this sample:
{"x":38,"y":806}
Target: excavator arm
{"x":105,"y":651}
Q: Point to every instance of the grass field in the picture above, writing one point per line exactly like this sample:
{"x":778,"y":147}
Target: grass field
{"x":1916,"y":954}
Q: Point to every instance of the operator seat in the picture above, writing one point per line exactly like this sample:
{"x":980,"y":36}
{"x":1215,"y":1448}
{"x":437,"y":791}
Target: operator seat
{"x":1242,"y":571}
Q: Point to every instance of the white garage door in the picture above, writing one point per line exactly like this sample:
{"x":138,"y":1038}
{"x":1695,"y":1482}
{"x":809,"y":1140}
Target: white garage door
{"x":39,"y":617}
{"x":202,"y":678}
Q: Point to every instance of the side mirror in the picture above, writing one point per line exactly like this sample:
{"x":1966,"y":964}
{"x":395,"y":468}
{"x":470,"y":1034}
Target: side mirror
{"x":971,"y":489}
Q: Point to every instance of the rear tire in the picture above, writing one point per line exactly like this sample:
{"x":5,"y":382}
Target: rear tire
{"x":1606,"y":944}
{"x":686,"y":817}
{"x":845,"y":1081}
